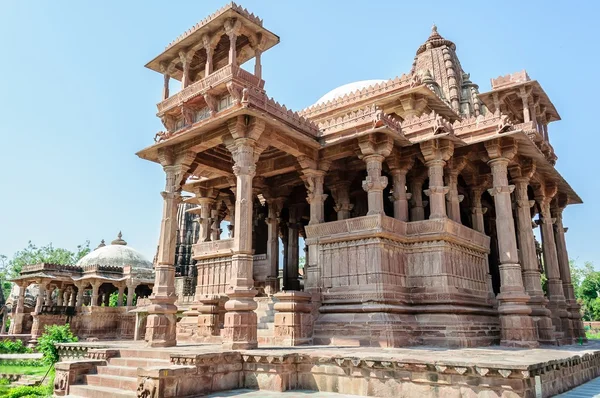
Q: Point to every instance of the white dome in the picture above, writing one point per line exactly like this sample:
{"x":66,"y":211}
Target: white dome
{"x":347,"y":89}
{"x":117,"y":254}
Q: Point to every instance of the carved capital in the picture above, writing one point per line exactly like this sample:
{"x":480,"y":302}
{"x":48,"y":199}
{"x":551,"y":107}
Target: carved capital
{"x":437,"y":150}
{"x":496,"y":190}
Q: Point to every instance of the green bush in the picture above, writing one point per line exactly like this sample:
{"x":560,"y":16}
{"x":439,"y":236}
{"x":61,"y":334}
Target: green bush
{"x":27,"y":391}
{"x":4,"y":382}
{"x":54,"y":334}
{"x":22,"y":362}
{"x":13,"y":347}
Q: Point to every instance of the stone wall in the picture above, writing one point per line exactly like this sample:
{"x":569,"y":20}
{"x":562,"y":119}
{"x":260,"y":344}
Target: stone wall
{"x":385,"y":282}
{"x":103,"y":323}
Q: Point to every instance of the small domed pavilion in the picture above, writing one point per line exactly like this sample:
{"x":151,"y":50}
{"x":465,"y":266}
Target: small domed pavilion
{"x":80,"y":294}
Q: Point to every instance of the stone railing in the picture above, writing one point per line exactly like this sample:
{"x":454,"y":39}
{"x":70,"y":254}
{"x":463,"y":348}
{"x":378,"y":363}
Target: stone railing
{"x":213,"y":275}
{"x":374,"y":223}
{"x":223,"y":247}
{"x":221,"y":76}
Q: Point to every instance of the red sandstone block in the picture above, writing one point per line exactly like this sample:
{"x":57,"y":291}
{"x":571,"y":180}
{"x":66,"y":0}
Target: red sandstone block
{"x":137,"y":362}
{"x":117,"y":371}
{"x":99,"y":392}
{"x":120,"y":382}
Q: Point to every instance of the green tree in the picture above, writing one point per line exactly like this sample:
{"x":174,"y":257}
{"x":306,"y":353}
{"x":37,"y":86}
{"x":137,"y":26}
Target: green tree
{"x":586,"y":283}
{"x":33,"y":254}
{"x":54,"y":334}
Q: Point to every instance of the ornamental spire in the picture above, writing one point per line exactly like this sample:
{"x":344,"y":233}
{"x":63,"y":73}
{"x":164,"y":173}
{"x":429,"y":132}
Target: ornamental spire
{"x":119,"y":240}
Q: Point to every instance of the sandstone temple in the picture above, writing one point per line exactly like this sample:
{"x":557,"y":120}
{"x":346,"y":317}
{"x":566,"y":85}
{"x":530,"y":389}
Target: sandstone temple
{"x":414,"y":198}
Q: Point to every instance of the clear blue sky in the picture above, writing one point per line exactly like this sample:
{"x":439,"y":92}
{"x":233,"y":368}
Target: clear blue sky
{"x":77,"y":103}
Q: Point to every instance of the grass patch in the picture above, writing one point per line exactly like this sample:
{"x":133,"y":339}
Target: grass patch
{"x":592,"y":335}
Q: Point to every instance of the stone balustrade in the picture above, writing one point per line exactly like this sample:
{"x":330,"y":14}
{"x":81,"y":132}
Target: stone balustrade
{"x":216,"y":248}
{"x":222,"y":76}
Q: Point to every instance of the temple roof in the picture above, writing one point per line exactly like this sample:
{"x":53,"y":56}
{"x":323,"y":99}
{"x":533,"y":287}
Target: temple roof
{"x":117,"y":254}
{"x":435,"y":40}
{"x":346,"y":89}
{"x":211,"y":25}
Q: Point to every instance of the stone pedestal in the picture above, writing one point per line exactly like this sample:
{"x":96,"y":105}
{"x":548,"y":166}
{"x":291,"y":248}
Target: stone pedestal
{"x":208,"y":318}
{"x":293,"y":320}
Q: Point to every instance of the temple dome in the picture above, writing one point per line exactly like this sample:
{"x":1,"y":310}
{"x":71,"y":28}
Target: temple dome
{"x":347,"y":89}
{"x":116,"y":254}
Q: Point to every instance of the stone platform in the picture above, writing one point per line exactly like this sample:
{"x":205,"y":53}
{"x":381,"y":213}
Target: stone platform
{"x":192,"y":370}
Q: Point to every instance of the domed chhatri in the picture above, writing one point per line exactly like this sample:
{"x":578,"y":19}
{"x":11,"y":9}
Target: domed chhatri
{"x":347,"y":89}
{"x":116,"y":254}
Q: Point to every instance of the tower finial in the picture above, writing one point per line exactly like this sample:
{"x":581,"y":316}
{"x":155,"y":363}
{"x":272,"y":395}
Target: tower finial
{"x":434,"y":28}
{"x":119,"y":240}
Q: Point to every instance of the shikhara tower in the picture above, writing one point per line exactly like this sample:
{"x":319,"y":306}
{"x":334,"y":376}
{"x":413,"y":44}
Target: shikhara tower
{"x":415,"y":197}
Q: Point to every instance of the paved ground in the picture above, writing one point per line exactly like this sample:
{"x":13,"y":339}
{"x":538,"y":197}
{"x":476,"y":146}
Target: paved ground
{"x":35,"y":355}
{"x":271,"y":394}
{"x":591,"y":389}
{"x":485,"y":356}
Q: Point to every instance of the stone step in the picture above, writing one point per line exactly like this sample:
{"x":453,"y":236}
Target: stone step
{"x":117,"y":371}
{"x":110,"y":381}
{"x":86,"y":391}
{"x":135,"y":362}
{"x":153,"y":354}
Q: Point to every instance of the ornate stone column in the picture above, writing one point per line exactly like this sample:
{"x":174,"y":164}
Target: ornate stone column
{"x":557,"y":302}
{"x":436,"y":152}
{"x":340,"y":191}
{"x":454,"y":167}
{"x":240,"y":318}
{"x":215,"y":231}
{"x":522,"y":173}
{"x":206,"y":203}
{"x":565,"y":269}
{"x":79,"y":299}
{"x":417,"y":210}
{"x":16,"y":326}
{"x":186,"y":60}
{"x":374,"y":150}
{"x":48,"y":298}
{"x":95,"y":295}
{"x":232,"y":29}
{"x":314,"y":179}
{"x":130,"y":292}
{"x":399,"y":166}
{"x":73,"y":298}
{"x":275,"y":206}
{"x":477,"y":211}
{"x":517,"y":326}
{"x":209,"y":43}
{"x":41,"y":297}
{"x":59,"y":297}
{"x":290,"y":281}
{"x":161,"y":324}
{"x":121,"y":291}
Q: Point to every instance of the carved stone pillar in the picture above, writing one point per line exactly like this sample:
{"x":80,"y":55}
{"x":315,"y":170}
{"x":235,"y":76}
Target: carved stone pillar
{"x":374,"y":150}
{"x":209,"y":43}
{"x":206,"y":204}
{"x":340,"y":191}
{"x":565,"y":270}
{"x":275,"y":206}
{"x":314,"y":179}
{"x":166,"y":86}
{"x":16,"y":326}
{"x":215,"y":231}
{"x":48,"y":298}
{"x":232,"y":29}
{"x":524,"y":95}
{"x":59,"y":297}
{"x":374,"y":184}
{"x":517,"y":326}
{"x":121,"y":291}
{"x":477,"y":211}
{"x":240,"y":318}
{"x":399,"y":167}
{"x":291,"y":281}
{"x":41,"y":297}
{"x":130,"y":293}
{"x":161,"y":323}
{"x":531,"y":275}
{"x":186,"y":60}
{"x":79,"y":300}
{"x":557,"y":302}
{"x":417,"y":210}
{"x":454,"y":167}
{"x":436,"y":153}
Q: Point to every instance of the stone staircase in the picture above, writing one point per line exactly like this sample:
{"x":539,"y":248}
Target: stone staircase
{"x":265,"y":319}
{"x":119,"y":377}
